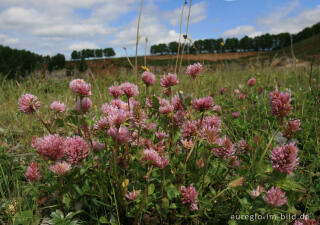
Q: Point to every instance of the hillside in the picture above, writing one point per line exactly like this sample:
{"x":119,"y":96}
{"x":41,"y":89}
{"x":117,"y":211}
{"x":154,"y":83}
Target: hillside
{"x":305,"y":48}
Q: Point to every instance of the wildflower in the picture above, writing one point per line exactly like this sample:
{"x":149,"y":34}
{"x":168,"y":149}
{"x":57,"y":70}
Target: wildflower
{"x":85,"y":105}
{"x":123,"y":134}
{"x":188,"y":144}
{"x":60,"y":168}
{"x":189,"y":128}
{"x":194,"y":70}
{"x":241,"y":96}
{"x":225,"y":150}
{"x":275,"y":197}
{"x":148,"y":78}
{"x":236,"y":91}
{"x":179,"y":117}
{"x":306,"y":221}
{"x":210,"y":128}
{"x":285,"y":158}
{"x":119,"y":104}
{"x":149,"y":102}
{"x":49,"y":147}
{"x":117,"y":116}
{"x":80,"y":87}
{"x":256,"y":192}
{"x":102,"y":124}
{"x":151,"y":156}
{"x":189,"y":196}
{"x":235,"y":114}
{"x":203,"y":104}
{"x":169,"y":80}
{"x":33,"y":173}
{"x":28,"y":103}
{"x":242,"y":146}
{"x":151,"y":126}
{"x":76,"y":149}
{"x":57,"y":106}
{"x":165,"y":106}
{"x":280,"y":103}
{"x":115,"y":91}
{"x":161,"y":135}
{"x":291,"y":128}
{"x":138,"y":116}
{"x":162,"y":162}
{"x":96,"y":146}
{"x":129,"y":89}
{"x":252,"y":81}
{"x":177,"y":103}
{"x":133,"y":195}
{"x":217,"y":108}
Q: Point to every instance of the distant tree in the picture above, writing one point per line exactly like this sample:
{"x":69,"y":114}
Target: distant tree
{"x":98,"y":53}
{"x":245,"y":43}
{"x":199,"y":45}
{"x":232,"y":44}
{"x":163,"y":49}
{"x":108,"y":52}
{"x":173,"y":47}
{"x":75,"y":55}
{"x":57,"y":62}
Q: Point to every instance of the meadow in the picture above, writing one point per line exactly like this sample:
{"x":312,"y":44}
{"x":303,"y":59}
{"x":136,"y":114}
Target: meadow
{"x":207,"y":149}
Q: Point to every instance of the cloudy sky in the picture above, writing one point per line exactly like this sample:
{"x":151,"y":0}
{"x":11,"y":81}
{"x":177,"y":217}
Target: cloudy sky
{"x":52,"y":26}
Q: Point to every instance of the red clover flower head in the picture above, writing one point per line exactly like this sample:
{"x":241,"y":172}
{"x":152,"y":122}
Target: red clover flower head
{"x":129,"y":89}
{"x":169,"y":80}
{"x":194,"y":70}
{"x":275,"y":197}
{"x":252,"y":81}
{"x":203,"y":104}
{"x":148,"y":78}
{"x":49,"y":147}
{"x":189,"y":196}
{"x":58,"y":107}
{"x":285,"y":158}
{"x":60,"y":168}
{"x":115,"y":91}
{"x":28,"y":103}
{"x":33,"y":173}
{"x":76,"y":149}
{"x":80,"y":87}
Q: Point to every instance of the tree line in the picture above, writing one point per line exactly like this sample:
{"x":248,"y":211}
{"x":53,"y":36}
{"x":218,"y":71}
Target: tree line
{"x":265,"y":42}
{"x":92,"y":53}
{"x":14,"y":63}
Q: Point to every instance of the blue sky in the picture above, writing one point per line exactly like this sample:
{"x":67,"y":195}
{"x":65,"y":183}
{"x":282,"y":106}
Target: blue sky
{"x":52,"y":26}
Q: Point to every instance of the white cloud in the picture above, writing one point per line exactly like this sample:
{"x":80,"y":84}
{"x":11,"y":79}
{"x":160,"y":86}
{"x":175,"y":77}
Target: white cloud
{"x":5,"y":40}
{"x":282,"y":21}
{"x":83,"y":45}
{"x":198,"y":14}
{"x":72,"y":30}
{"x":241,"y":31}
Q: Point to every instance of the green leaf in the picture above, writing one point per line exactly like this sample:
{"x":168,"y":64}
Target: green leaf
{"x":103,"y":220}
{"x":151,"y":189}
{"x":172,"y":191}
